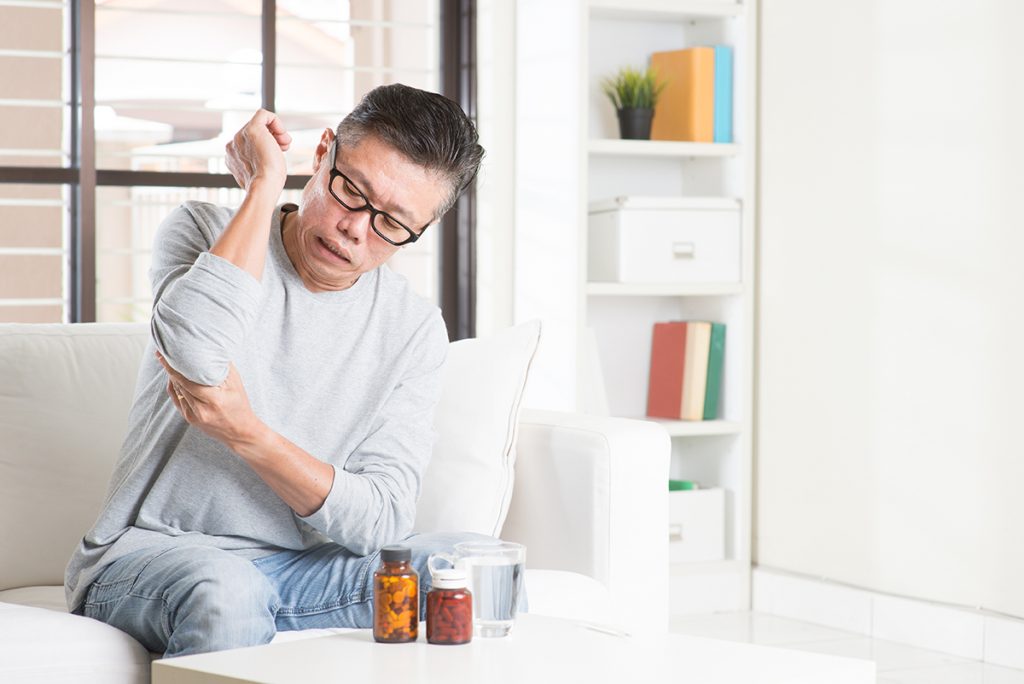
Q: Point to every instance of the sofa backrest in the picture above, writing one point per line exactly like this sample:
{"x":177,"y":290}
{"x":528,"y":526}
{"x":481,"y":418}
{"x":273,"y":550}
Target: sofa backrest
{"x":65,"y":391}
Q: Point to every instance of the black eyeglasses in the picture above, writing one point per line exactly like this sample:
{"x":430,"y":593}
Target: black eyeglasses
{"x":352,"y":198}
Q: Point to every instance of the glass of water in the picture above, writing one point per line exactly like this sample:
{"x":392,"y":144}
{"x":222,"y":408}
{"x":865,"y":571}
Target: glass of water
{"x":494,"y":571}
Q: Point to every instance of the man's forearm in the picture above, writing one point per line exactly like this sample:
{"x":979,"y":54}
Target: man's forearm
{"x":302,"y":481}
{"x":244,"y":241}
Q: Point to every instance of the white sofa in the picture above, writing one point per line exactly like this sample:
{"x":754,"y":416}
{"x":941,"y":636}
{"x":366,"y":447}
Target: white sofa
{"x":589,"y":501}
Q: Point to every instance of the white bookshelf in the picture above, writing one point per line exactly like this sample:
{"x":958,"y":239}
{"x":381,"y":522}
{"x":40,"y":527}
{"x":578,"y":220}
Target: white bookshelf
{"x":702,"y":428}
{"x":663,"y":289}
{"x":718,"y":453}
{"x":567,"y":155}
{"x":660,"y":148}
{"x":664,"y":10}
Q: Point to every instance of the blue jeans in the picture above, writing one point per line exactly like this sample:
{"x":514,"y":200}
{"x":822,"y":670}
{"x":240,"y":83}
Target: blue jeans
{"x":196,"y":599}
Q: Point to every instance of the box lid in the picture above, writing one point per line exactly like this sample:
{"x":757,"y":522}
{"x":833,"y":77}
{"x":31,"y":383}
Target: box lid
{"x":624,"y":202}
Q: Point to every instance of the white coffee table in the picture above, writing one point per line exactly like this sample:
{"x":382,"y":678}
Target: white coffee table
{"x":540,"y":649}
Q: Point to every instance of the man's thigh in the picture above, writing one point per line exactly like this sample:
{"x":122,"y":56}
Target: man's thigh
{"x":329,"y":586}
{"x":145,"y":593}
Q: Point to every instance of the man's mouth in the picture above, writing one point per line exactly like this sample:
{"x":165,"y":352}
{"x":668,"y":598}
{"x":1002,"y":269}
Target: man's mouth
{"x":335,"y":251}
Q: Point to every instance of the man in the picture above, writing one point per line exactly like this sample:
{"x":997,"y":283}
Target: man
{"x":283,"y":417}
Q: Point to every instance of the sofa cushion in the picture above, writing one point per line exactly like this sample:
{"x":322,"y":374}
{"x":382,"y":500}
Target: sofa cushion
{"x":468,"y":484}
{"x":42,"y":645}
{"x":49,"y":597}
{"x":65,"y":391}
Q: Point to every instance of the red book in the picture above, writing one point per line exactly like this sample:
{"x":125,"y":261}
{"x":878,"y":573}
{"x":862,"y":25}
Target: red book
{"x":665,"y":385}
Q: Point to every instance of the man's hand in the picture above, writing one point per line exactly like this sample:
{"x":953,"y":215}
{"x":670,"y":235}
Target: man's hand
{"x":222,"y":412}
{"x":256,"y":153}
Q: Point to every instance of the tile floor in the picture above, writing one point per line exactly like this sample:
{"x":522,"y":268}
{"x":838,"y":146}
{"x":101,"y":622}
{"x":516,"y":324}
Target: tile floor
{"x":897,"y":664}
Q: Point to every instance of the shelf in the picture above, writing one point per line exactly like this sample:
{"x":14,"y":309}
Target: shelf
{"x":697,"y":428}
{"x":708,"y":567}
{"x":661,"y":148}
{"x":664,"y":289}
{"x":665,"y":9}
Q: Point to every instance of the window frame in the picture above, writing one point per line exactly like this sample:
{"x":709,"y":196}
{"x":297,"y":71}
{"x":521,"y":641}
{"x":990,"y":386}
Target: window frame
{"x":458,"y":79}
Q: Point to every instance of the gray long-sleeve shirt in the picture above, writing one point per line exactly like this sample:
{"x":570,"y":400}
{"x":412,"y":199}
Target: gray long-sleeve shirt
{"x":351,"y":376}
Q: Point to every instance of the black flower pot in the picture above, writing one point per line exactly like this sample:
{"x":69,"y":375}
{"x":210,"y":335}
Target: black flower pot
{"x":635,"y":123}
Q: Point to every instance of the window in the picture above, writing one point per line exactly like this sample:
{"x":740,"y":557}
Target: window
{"x":105,"y":131}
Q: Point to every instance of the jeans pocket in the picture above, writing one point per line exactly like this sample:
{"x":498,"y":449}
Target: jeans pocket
{"x":102,"y":596}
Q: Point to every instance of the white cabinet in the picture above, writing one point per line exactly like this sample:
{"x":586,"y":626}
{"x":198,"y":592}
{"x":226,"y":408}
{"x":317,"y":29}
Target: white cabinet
{"x":568,"y":159}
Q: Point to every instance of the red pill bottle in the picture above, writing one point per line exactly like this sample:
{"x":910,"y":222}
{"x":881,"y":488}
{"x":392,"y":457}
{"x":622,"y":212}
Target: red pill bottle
{"x":449,"y":609}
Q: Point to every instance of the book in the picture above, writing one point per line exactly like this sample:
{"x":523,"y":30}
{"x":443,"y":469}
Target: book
{"x":685,"y":109}
{"x":716,"y":357}
{"x":665,"y":380}
{"x":695,"y":369}
{"x":723,"y":94}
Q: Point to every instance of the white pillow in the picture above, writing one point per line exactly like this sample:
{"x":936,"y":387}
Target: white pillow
{"x":468,"y":485}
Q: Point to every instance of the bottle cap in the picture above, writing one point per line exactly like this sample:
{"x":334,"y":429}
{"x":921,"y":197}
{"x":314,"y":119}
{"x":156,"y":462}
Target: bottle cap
{"x":448,"y":578}
{"x":394,"y":553}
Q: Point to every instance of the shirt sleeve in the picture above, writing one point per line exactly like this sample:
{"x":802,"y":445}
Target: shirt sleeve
{"x":203,"y":305}
{"x":373,"y":499}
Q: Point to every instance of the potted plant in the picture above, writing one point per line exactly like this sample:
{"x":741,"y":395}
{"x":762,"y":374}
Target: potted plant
{"x":634,"y":94}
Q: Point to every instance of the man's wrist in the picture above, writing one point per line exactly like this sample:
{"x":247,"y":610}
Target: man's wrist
{"x":264,"y":192}
{"x":253,"y":441}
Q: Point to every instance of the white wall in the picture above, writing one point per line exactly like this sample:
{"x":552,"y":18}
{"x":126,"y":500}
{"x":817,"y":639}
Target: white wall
{"x":890,"y":453}
{"x":547,"y":193}
{"x":495,"y":192}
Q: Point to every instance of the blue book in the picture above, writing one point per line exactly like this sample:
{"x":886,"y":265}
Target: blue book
{"x":723,"y":94}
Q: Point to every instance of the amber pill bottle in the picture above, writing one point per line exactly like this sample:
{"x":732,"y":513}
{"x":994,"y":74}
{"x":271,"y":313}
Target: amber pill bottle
{"x":396,"y":597}
{"x":449,"y":609}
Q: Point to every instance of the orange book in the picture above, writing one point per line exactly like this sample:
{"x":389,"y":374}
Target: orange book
{"x":686,"y":107}
{"x":695,"y":369}
{"x":665,"y":384}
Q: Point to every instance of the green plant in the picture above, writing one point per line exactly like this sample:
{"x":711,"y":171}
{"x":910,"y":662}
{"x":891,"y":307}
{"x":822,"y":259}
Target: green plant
{"x":632,"y":88}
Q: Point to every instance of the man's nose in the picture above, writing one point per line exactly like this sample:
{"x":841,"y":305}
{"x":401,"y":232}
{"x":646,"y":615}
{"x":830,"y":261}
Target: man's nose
{"x":356,"y":225}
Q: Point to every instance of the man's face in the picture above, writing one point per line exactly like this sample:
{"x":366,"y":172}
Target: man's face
{"x":331,"y":246}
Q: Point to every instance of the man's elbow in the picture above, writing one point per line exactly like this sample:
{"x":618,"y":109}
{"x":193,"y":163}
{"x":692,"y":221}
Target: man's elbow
{"x":391,"y":528}
{"x":188,"y":353}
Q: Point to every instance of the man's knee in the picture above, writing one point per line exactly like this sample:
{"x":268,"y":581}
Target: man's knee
{"x":221,"y":602}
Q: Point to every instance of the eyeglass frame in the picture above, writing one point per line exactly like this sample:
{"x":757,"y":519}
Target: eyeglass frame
{"x":374,"y":212}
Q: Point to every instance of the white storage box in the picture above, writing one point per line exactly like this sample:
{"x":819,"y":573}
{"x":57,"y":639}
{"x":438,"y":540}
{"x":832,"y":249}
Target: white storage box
{"x":696,"y":525}
{"x":664,"y":240}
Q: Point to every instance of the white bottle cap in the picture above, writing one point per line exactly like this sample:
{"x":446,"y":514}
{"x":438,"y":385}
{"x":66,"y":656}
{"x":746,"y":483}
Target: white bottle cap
{"x":449,"y":578}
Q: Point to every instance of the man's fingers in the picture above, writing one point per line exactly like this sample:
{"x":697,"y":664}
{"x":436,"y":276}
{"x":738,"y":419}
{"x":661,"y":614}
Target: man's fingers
{"x":163,"y":362}
{"x":190,"y":389}
{"x":177,"y":398}
{"x":276,"y":127}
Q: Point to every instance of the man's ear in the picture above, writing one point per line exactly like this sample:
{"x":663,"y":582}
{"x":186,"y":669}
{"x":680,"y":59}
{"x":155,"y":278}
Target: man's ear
{"x":326,"y":138}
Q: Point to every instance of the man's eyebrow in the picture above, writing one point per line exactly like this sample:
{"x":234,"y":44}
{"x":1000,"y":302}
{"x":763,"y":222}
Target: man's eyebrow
{"x":366,"y":187}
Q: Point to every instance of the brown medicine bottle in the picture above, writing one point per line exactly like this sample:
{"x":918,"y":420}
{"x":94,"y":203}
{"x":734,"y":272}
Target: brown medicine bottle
{"x":449,"y":609}
{"x":396,"y":597}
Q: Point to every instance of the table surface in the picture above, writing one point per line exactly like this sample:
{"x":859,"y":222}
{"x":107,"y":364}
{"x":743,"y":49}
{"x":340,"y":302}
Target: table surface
{"x":540,"y":649}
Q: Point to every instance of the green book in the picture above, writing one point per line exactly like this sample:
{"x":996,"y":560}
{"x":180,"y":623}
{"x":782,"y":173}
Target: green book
{"x":715,"y":358}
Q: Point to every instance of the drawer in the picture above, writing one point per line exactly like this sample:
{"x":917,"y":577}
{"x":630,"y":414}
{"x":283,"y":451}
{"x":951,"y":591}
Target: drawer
{"x":696,"y":525}
{"x":664,"y":240}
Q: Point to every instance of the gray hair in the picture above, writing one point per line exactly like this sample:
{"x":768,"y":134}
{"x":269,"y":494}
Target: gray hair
{"x":428,"y":128}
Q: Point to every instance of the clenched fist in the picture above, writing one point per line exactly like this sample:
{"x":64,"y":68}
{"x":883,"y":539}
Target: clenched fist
{"x":256,"y":154}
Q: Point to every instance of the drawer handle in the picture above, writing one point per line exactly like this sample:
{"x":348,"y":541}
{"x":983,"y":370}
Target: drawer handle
{"x":684,"y":250}
{"x":675,"y":533}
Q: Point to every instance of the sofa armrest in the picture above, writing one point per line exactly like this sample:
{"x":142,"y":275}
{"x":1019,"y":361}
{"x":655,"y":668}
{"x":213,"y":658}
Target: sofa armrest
{"x":591,"y":496}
